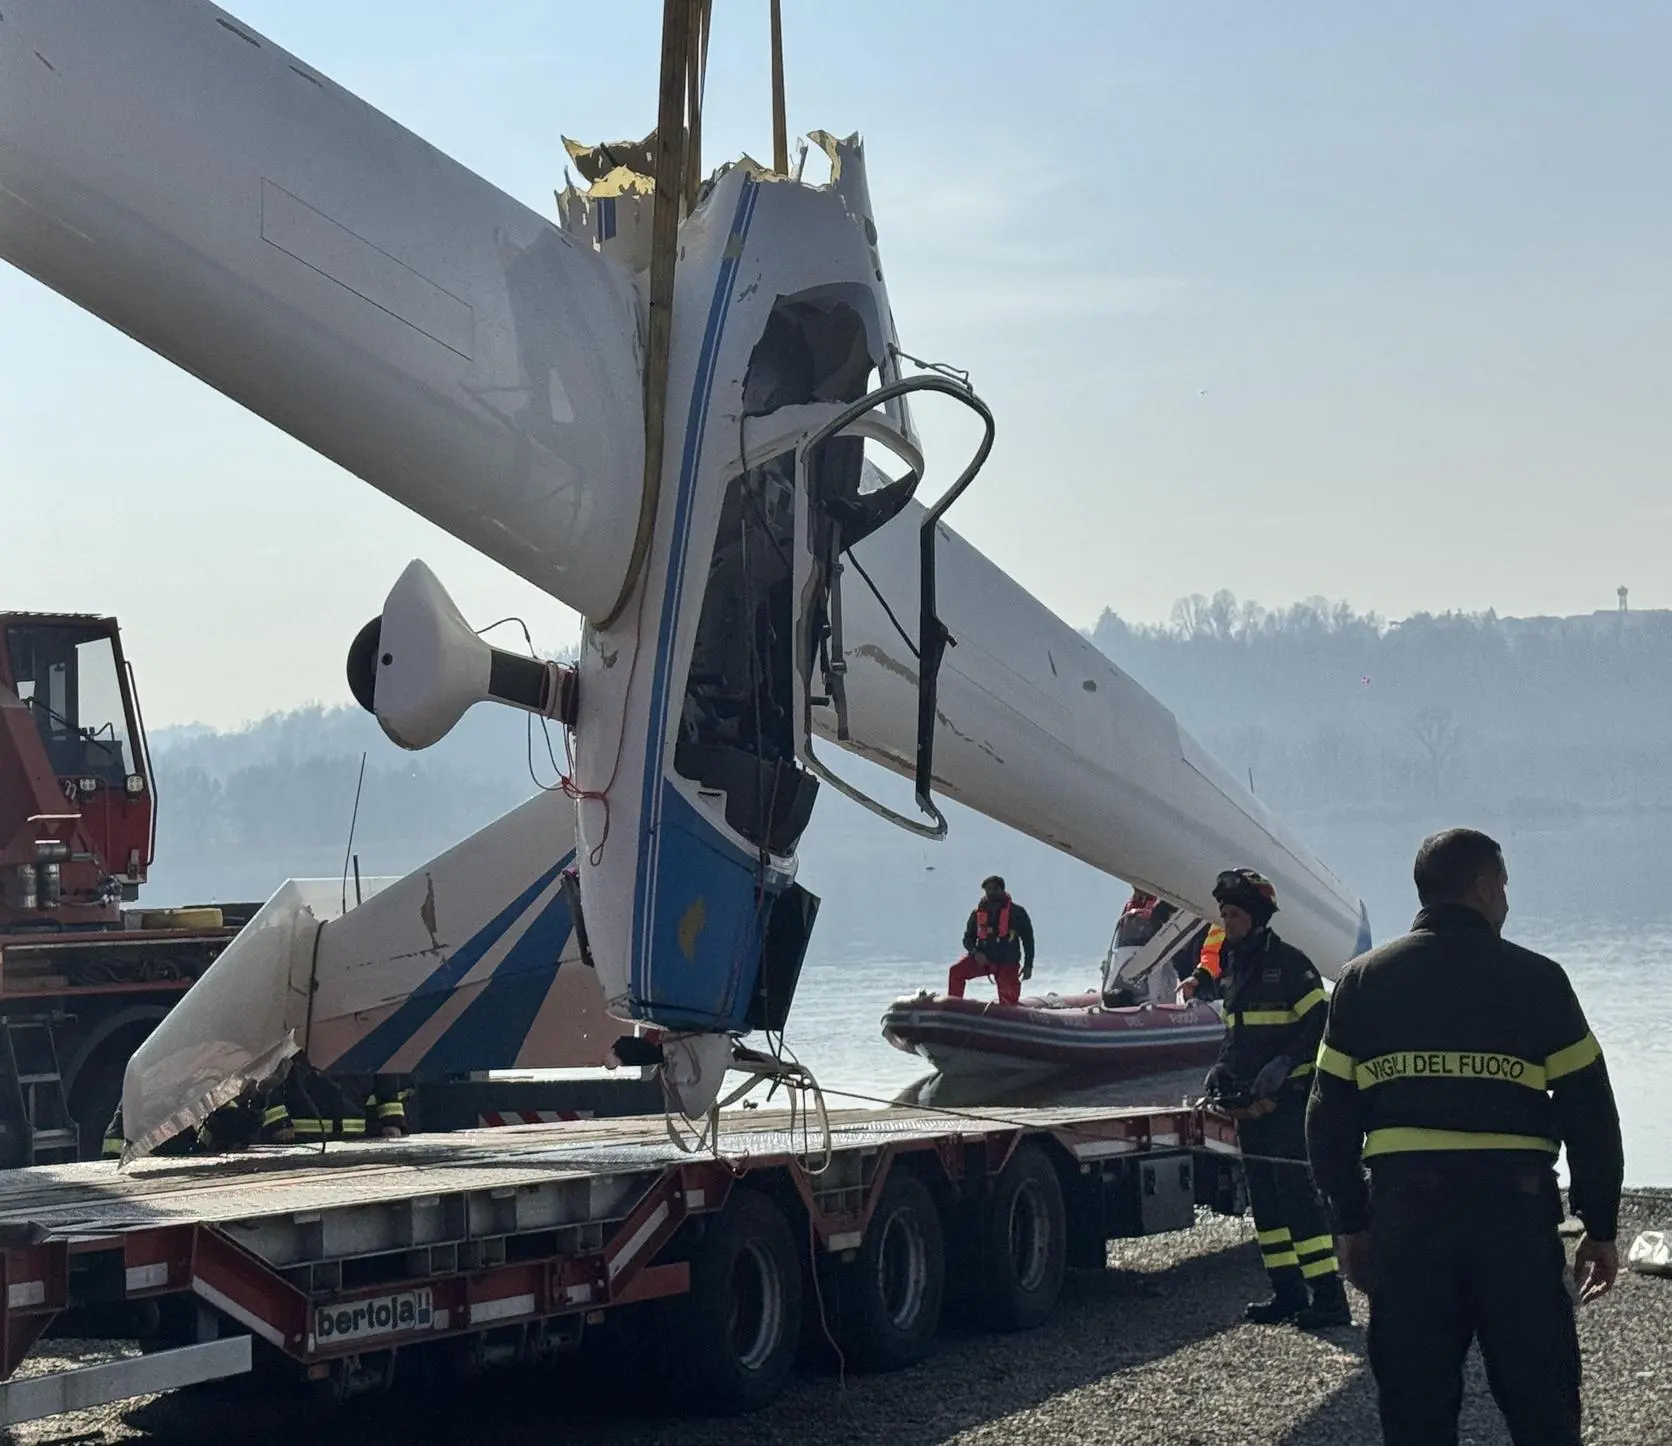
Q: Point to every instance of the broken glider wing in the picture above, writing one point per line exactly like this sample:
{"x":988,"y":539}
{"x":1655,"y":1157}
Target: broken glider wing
{"x":170,"y":170}
{"x":1038,"y":729}
{"x":471,"y":962}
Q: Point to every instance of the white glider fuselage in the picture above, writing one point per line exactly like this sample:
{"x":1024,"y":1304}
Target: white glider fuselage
{"x":691,"y":797}
{"x":229,"y":207}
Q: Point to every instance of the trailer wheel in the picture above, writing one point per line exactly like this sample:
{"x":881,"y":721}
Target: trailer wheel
{"x":737,"y":1327}
{"x":891,"y":1293}
{"x":1025,"y":1243}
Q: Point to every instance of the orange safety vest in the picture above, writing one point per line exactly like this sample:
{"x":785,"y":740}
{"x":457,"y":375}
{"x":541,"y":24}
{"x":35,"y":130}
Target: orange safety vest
{"x":1210,"y":963}
{"x":984,"y":927}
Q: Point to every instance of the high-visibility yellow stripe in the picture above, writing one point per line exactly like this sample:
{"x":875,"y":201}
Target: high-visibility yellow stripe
{"x":330,"y":1127}
{"x":1450,"y":1065}
{"x":1273,"y":1237}
{"x":1301,"y":1070}
{"x":1267,"y":1016}
{"x":112,"y":1147}
{"x":1308,"y":1002}
{"x":1332,"y":1061}
{"x":391,"y":1109}
{"x":1329,"y":1265}
{"x":1279,"y":1261}
{"x":275,"y":1115}
{"x":1573,"y":1059}
{"x":1404,"y":1139}
{"x":1314,"y":1245}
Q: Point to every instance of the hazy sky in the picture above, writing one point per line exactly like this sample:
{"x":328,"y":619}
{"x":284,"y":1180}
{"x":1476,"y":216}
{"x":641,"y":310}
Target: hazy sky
{"x":1369,"y":302}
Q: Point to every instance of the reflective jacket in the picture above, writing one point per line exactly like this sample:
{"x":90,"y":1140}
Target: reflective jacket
{"x":1451,"y":1053}
{"x":312,"y":1106}
{"x":1274,"y":1004}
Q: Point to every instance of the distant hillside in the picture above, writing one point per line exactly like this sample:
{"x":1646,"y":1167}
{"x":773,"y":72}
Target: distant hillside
{"x":241,"y":811}
{"x":1337,"y":717}
{"x":1334,"y":712}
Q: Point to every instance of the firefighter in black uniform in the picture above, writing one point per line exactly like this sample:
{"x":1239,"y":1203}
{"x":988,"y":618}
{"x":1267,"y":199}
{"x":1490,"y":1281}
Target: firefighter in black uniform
{"x":1274,"y":1008}
{"x":115,"y":1140}
{"x":301,"y":1105}
{"x":386,"y":1101}
{"x":308,"y":1106}
{"x":1457,"y":1064}
{"x":232,"y":1127}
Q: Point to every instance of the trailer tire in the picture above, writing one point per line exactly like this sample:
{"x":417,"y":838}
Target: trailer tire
{"x":738,"y":1326}
{"x":1025,"y":1243}
{"x":891,"y":1293}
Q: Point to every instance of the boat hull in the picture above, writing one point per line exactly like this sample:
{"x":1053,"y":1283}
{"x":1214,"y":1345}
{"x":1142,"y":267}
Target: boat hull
{"x":973,"y":1036}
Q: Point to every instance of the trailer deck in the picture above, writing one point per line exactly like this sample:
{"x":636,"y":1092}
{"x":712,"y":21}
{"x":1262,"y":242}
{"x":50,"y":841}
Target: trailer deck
{"x":507,"y":1241}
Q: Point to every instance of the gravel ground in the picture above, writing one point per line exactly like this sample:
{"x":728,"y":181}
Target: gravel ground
{"x":1151,"y":1351}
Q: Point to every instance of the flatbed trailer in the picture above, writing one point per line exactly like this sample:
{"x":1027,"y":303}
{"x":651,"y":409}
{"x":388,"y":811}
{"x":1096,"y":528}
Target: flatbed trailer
{"x":346,"y":1265}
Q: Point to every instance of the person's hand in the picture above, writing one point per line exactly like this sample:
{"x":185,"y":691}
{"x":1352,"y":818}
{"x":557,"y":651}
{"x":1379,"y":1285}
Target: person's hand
{"x":1187,"y":987}
{"x":1218,"y":1082}
{"x":1272,"y":1075}
{"x":391,"y":1132}
{"x":1353,"y":1254}
{"x":1027,"y":970}
{"x":1596,"y":1266}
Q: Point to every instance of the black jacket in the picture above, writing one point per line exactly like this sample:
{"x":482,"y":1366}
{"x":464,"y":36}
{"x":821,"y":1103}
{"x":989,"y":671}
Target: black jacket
{"x":1274,"y":1005}
{"x":1454,"y":1052}
{"x":1008,"y":950}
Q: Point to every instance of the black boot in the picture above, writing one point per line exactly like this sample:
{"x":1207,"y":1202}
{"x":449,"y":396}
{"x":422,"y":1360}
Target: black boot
{"x":1329,"y":1305}
{"x":1285,"y":1305}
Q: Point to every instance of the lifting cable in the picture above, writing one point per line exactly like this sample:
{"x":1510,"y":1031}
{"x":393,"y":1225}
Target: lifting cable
{"x":677,"y":165}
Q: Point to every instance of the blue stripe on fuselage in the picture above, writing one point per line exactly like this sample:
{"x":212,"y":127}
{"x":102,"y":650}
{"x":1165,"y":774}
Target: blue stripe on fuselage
{"x":489,"y":1034}
{"x":696,"y":420}
{"x":378,"y":1047}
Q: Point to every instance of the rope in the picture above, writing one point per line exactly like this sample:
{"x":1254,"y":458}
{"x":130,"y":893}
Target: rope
{"x":797,"y":1079}
{"x":876,"y":592}
{"x":818,"y":1295}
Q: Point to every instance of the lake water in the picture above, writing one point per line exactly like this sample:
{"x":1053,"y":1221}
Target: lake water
{"x":1595,"y":895}
{"x":1592,"y":895}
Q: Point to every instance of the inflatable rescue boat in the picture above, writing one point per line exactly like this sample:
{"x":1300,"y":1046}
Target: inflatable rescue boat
{"x":1115,"y":1032}
{"x":1051,"y":1032}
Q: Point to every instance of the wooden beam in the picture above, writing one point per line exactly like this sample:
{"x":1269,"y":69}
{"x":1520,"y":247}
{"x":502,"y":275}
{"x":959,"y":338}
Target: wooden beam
{"x":780,"y":127}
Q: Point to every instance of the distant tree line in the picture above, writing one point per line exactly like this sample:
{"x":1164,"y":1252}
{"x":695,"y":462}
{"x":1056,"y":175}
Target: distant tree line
{"x":284,"y":789}
{"x":1331,"y":713}
{"x":1335,"y":712}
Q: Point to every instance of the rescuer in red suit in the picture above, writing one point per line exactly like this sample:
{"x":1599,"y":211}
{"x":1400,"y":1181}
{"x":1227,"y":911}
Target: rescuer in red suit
{"x":998,"y":940}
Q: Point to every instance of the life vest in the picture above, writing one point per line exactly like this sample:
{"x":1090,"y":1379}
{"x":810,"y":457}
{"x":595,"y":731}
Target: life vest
{"x":1210,"y":963}
{"x":984,"y":931}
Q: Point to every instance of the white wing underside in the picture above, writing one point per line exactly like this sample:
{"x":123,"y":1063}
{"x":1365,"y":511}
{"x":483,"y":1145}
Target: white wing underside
{"x":229,"y":207}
